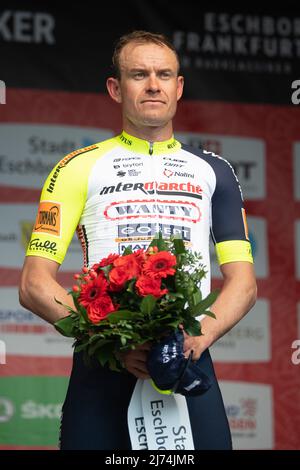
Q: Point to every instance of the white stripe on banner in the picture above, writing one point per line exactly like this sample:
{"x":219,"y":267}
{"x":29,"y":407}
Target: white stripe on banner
{"x":163,"y":419}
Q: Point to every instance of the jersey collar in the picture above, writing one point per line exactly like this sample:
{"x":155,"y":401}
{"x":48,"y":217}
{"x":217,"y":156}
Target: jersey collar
{"x":144,"y":146}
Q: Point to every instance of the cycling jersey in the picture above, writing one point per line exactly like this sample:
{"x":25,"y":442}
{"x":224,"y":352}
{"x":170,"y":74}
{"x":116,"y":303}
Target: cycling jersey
{"x":122,"y":191}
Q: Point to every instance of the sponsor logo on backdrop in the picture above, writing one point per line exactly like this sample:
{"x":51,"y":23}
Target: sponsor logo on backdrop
{"x":48,"y":218}
{"x":297,"y":170}
{"x":31,"y":413}
{"x":259,"y":244}
{"x":15,"y":236}
{"x":296,"y":353}
{"x":235,"y":42}
{"x":26,"y":334}
{"x":247,"y":157}
{"x":249,"y":340}
{"x":2,"y":92}
{"x":298,"y":319}
{"x":27,"y":27}
{"x":249,"y":408}
{"x":295,"y":97}
{"x":6,"y":409}
{"x":2,"y":352}
{"x":139,"y":208}
{"x":297,"y":247}
{"x":25,"y":162}
{"x":152,"y":187}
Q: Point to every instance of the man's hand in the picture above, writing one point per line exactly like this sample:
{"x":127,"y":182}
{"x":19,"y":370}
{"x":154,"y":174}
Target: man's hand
{"x":135,"y":361}
{"x":192,"y":344}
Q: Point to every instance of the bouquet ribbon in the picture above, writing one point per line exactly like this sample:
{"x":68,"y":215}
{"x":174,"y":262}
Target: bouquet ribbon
{"x":157,"y":421}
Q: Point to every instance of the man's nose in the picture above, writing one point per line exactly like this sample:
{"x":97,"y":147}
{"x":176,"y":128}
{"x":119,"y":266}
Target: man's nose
{"x":153,"y":83}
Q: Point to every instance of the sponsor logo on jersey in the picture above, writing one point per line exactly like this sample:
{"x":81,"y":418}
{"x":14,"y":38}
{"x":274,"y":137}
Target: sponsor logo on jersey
{"x":125,"y":140}
{"x":152,"y":187}
{"x":143,"y":208}
{"x":64,"y":162}
{"x":48,"y":218}
{"x":146,"y":231}
{"x":46,"y":245}
{"x":168,"y":173}
{"x":127,"y":158}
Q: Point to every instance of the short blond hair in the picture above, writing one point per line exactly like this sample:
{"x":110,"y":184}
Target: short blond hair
{"x":141,"y":37}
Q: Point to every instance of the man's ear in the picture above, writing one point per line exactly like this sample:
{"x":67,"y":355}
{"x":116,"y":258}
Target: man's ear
{"x":114,"y":90}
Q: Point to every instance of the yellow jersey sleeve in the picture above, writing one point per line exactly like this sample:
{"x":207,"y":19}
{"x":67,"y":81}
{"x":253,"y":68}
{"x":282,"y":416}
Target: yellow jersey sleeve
{"x":61,"y":204}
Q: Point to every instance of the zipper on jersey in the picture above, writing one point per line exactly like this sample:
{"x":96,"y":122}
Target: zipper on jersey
{"x":150,"y":148}
{"x":157,"y":221}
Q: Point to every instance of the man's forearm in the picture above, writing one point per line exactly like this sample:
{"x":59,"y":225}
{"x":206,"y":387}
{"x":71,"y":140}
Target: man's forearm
{"x":234,"y":301}
{"x":39,"y":297}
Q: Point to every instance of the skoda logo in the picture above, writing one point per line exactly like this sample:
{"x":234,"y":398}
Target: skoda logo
{"x":6,"y":410}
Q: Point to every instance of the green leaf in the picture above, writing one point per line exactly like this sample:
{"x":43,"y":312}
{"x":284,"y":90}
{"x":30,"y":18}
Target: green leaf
{"x":197,"y":297}
{"x":66,"y":326}
{"x":204,"y":304}
{"x":159,"y":242}
{"x":127,"y":251}
{"x":179,"y":246}
{"x":67,"y":307}
{"x":92,"y":348}
{"x":209,"y":314}
{"x":193,"y":327}
{"x":147,"y":305}
{"x":115,"y":317}
{"x":105,"y":353}
{"x":80,"y":347}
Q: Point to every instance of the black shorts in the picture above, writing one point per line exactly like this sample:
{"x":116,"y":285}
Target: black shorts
{"x":94,"y":414}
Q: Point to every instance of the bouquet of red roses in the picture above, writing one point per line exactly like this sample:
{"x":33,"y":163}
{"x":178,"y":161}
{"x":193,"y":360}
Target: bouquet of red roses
{"x":129,"y":299}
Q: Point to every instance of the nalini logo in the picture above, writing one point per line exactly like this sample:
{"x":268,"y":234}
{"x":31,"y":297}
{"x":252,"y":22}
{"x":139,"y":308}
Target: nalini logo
{"x":2,"y":92}
{"x":6,"y":410}
{"x":2,"y":352}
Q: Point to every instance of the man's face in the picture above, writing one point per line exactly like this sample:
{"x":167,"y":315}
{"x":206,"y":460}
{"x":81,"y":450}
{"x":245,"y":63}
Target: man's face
{"x":149,"y":87}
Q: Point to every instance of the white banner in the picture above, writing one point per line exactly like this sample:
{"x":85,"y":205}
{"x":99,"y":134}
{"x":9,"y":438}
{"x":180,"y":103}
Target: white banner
{"x":164,"y":419}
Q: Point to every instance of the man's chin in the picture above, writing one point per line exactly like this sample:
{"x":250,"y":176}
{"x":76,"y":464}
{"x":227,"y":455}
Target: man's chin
{"x":155,"y":121}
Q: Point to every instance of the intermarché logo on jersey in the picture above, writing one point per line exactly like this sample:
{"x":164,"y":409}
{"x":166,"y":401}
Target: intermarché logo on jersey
{"x":152,"y":187}
{"x":63,"y":163}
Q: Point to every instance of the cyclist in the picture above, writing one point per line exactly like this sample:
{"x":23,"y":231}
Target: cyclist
{"x":121,"y":192}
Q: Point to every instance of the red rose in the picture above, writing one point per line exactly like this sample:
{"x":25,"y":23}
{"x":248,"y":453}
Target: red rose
{"x":100,"y":308}
{"x":118,"y":277}
{"x":109,"y":260}
{"x":92,"y":290}
{"x":129,"y":263}
{"x":160,"y":265}
{"x":146,"y":286}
